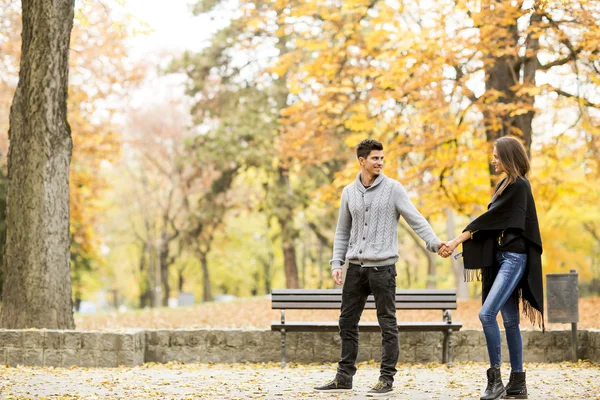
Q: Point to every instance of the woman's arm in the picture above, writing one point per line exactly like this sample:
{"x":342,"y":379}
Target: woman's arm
{"x":446,"y":251}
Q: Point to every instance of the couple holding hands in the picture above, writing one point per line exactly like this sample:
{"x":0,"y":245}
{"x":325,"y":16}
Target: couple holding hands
{"x":502,"y":248}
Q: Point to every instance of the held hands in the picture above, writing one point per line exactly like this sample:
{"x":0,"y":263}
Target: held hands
{"x":336,"y":274}
{"x":446,"y":248}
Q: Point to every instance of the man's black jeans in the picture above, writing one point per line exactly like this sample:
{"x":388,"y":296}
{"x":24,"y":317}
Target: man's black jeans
{"x":360,"y":283}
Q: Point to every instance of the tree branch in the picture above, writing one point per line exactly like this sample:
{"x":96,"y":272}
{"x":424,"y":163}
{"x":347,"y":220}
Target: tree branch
{"x":582,"y":100}
{"x":322,"y":238}
{"x":415,"y":238}
{"x":560,"y":61}
{"x":588,"y":227}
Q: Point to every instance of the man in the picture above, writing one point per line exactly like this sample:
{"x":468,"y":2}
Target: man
{"x":367,"y":235}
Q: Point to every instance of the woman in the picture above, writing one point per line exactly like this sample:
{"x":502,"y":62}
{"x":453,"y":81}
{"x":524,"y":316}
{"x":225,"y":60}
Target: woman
{"x":503,"y":247}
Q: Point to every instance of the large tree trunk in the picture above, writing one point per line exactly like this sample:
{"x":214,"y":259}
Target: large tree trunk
{"x":505,"y":71}
{"x":37,"y":286}
{"x":502,"y":72}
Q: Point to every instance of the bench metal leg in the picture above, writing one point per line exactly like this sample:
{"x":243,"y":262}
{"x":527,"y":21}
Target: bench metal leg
{"x":445,"y":348}
{"x":283,"y":348}
{"x":449,"y":348}
{"x":282,"y":339}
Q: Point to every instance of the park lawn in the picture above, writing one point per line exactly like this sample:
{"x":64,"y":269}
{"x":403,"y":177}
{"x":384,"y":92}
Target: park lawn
{"x":256,"y":313}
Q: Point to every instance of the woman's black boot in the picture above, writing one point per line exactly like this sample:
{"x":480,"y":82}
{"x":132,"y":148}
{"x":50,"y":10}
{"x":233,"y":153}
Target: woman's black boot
{"x":495,"y":388}
{"x":516,"y":387}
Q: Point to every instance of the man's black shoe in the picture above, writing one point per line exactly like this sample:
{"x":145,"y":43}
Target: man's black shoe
{"x":380,"y":389}
{"x":334,"y":387}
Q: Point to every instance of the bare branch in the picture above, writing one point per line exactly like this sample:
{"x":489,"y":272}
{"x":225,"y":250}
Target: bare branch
{"x":588,"y":227}
{"x":322,"y":238}
{"x":561,"y":61}
{"x":414,"y":237}
{"x":582,"y":100}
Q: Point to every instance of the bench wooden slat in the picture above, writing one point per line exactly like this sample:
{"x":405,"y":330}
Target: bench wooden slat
{"x":338,"y":298}
{"x":369,"y":305}
{"x":366,"y":326}
{"x":339,"y":291}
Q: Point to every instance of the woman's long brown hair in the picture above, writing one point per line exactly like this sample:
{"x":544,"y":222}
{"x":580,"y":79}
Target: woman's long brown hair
{"x":513,"y":157}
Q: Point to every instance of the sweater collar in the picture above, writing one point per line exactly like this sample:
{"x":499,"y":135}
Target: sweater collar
{"x":377,"y":181}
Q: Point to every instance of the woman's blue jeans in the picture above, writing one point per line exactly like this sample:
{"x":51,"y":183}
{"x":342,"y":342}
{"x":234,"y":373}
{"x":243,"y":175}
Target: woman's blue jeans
{"x":502,"y":297}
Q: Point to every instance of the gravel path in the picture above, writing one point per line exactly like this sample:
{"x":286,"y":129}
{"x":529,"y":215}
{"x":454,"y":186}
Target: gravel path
{"x":268,"y":381}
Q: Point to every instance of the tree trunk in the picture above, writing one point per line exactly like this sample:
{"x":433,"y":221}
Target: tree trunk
{"x":145,"y":292}
{"x":268,"y":261}
{"x":163,"y":260}
{"x":164,"y":277}
{"x":303,"y":265}
{"x":180,"y":279}
{"x":504,"y":72}
{"x":267,"y":271}
{"x":431,"y":270}
{"x":115,"y":299}
{"x":77,"y":303}
{"x":37,"y":286}
{"x":207,"y":292}
{"x":289,"y":260}
{"x":524,"y":121}
{"x":320,"y":264}
{"x":285,"y":216}
{"x":462,"y":289}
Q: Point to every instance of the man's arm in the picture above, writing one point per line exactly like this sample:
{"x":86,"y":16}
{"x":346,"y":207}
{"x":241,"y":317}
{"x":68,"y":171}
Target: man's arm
{"x":417,"y":222}
{"x":342,"y":234}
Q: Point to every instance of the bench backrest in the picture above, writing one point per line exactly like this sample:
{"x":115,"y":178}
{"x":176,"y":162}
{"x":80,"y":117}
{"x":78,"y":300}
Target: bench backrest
{"x":309,"y":299}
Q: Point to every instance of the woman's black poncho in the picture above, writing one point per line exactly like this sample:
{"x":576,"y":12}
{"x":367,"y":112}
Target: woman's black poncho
{"x":514,"y":209}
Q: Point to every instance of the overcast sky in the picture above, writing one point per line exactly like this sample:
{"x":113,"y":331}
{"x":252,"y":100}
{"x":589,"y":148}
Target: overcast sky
{"x":175,"y":28}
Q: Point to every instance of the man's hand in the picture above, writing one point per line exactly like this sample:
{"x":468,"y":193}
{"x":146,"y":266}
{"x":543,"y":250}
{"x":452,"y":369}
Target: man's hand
{"x":336,"y":274}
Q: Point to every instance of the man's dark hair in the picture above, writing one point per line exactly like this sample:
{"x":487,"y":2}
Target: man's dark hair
{"x":365,"y":147}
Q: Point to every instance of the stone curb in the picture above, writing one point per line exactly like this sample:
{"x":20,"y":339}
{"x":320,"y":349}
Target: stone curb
{"x":53,"y":348}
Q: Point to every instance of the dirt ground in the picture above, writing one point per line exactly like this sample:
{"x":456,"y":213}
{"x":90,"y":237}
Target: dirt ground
{"x":269,"y":381}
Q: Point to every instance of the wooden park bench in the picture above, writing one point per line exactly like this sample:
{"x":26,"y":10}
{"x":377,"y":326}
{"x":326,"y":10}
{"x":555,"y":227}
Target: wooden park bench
{"x":331,"y":299}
